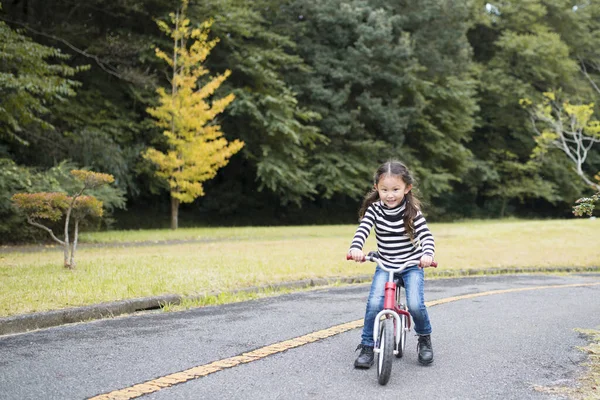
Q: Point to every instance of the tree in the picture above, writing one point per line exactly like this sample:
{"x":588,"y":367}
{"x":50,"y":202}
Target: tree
{"x":29,"y":83}
{"x":515,"y":180}
{"x":196,"y":147}
{"x":52,"y":206}
{"x":568,"y":127}
{"x":524,"y":48}
{"x":390,"y":80}
{"x":279,"y":133}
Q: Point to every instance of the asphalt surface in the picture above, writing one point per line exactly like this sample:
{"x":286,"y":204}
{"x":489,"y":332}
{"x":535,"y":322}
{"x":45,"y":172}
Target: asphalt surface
{"x":492,"y":347}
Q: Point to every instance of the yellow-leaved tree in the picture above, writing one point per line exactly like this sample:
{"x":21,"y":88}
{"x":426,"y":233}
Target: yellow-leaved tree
{"x":572,"y":129}
{"x":196,"y":148}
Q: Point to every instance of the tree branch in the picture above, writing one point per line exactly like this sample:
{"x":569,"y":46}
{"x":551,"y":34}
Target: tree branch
{"x":105,"y":66}
{"x":584,"y":70}
{"x":38,"y":225}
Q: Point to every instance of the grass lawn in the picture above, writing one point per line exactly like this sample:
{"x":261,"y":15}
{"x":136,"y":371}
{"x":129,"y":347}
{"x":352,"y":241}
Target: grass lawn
{"x":204,"y":260}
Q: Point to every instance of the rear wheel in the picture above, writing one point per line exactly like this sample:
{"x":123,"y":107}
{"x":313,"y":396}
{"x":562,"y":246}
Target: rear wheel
{"x":386,"y":351}
{"x":402,"y":339}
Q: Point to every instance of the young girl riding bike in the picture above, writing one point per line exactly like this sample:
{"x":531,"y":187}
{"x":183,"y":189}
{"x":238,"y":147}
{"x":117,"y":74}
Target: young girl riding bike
{"x":402,"y":235}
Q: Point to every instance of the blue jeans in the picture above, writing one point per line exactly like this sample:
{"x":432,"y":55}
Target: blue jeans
{"x":413,"y":282}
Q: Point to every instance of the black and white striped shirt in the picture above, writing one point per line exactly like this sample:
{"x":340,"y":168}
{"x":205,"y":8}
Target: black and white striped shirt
{"x":393,"y":244}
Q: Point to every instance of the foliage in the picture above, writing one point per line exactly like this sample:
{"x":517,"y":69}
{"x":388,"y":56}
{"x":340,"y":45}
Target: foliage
{"x":42,"y":205}
{"x":19,"y":179}
{"x":53,"y":206}
{"x":389,"y":81}
{"x":92,"y":180}
{"x":87,"y":206}
{"x":585,"y":205}
{"x":196,"y":146}
{"x":29,"y":83}
{"x":324,"y":90}
{"x":278,"y":131}
{"x":516,"y":180}
{"x":568,"y":127}
{"x":525,"y":48}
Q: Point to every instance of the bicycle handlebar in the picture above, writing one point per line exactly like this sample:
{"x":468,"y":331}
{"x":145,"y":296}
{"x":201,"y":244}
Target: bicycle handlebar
{"x":372,"y":257}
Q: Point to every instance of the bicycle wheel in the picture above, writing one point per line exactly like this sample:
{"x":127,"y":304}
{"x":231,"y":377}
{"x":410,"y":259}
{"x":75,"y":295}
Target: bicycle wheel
{"x":386,"y":351}
{"x":402,"y":339}
{"x":399,"y":346}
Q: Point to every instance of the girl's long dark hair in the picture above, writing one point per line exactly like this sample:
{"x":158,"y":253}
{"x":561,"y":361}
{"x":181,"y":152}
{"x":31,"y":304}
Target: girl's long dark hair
{"x":413,"y":205}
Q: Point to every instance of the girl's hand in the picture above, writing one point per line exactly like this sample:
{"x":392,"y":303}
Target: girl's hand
{"x":426,"y":261}
{"x":357,"y":255}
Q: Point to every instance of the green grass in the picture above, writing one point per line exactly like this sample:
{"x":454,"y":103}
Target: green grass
{"x":209,"y":260}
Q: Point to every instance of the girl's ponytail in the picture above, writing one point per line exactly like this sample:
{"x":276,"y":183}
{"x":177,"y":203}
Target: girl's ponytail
{"x":413,"y":205}
{"x":369,"y":199}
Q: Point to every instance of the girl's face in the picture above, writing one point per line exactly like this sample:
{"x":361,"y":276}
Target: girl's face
{"x":391,"y":189}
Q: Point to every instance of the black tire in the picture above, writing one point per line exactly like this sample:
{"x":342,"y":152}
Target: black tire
{"x":402,"y":339}
{"x":386,"y":353}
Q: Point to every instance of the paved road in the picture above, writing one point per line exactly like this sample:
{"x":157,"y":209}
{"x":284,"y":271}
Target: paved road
{"x":497,"y":346}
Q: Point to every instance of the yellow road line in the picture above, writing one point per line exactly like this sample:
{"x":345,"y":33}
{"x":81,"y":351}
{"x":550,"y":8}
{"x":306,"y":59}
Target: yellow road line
{"x":200,"y":371}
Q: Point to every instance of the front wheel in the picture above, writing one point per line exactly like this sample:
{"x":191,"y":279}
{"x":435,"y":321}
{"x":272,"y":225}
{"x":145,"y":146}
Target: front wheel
{"x":386,"y":351}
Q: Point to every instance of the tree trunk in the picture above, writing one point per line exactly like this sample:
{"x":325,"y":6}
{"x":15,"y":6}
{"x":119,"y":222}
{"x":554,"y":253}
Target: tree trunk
{"x":74,"y":244}
{"x":67,"y":220}
{"x":503,"y":207}
{"x":67,"y":241}
{"x":174,"y":212}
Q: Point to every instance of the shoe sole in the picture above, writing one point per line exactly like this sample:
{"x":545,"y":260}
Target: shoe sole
{"x":423,"y":362}
{"x":363,"y":366}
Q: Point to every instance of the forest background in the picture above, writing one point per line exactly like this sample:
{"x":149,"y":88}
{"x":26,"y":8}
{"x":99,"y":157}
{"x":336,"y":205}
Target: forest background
{"x":324,"y":90}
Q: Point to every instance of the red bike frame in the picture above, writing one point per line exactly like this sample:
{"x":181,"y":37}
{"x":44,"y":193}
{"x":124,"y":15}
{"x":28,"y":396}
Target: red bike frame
{"x":390,"y":302}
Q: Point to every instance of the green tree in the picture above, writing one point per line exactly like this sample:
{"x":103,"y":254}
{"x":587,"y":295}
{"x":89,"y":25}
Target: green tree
{"x":196,"y":146}
{"x":30,"y":83}
{"x":105,"y":127}
{"x":515,"y":180}
{"x":389,"y":80}
{"x":279,"y":133}
{"x":523,"y":48}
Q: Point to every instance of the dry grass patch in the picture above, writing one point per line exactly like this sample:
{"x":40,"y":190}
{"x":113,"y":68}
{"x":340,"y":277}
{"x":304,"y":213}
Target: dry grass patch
{"x":588,"y":384}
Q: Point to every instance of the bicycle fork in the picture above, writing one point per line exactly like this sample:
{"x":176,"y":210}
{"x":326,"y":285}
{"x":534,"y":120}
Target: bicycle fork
{"x":389,"y":311}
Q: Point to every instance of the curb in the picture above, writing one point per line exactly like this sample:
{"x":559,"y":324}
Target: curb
{"x":40,"y":320}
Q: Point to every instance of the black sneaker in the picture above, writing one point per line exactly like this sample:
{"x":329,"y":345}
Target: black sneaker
{"x":425,"y":350}
{"x":366,"y":357}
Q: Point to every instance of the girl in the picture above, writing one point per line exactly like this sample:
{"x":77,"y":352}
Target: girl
{"x":402,"y":235}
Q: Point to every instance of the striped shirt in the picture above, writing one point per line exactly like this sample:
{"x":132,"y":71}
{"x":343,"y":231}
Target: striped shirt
{"x":393,"y":244}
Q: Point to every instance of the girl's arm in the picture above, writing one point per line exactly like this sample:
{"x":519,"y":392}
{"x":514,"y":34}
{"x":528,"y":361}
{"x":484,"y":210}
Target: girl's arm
{"x":361,"y":235}
{"x":424,"y":235}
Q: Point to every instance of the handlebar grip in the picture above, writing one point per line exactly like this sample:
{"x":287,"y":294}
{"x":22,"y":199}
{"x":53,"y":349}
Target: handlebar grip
{"x":349,"y":257}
